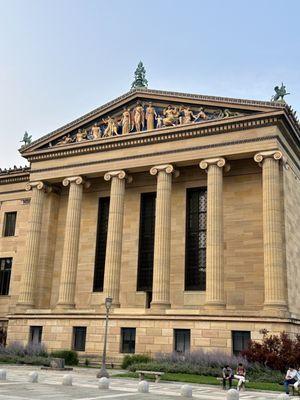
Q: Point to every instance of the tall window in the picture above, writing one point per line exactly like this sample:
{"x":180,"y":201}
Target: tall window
{"x":79,"y":336}
{"x":103,"y":214}
{"x":35,"y":334}
{"x":240,"y":341}
{"x":9,"y":223}
{"x":128,"y":340}
{"x":195,"y":252}
{"x":5,"y":272}
{"x":182,"y":340}
{"x":146,"y":242}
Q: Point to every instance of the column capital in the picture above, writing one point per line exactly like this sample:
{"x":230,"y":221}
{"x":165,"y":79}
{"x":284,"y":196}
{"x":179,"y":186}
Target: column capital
{"x":38,"y":185}
{"x":167,"y":168}
{"x":117,"y":174}
{"x":78,"y":180}
{"x":218,"y":161}
{"x":275,"y":154}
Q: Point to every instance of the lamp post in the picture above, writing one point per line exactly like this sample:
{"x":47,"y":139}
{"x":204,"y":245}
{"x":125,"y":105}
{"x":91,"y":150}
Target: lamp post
{"x":103,"y":372}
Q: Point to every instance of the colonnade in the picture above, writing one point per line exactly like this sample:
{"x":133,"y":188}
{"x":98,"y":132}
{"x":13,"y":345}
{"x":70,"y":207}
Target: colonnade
{"x":275,"y":291}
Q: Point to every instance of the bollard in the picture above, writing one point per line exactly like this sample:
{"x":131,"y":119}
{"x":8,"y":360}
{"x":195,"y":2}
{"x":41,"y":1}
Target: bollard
{"x":186,"y":391}
{"x":232,"y":394}
{"x":143,"y":387}
{"x":283,"y":396}
{"x":2,"y":374}
{"x":33,"y":377}
{"x":67,"y":380}
{"x":103,"y":383}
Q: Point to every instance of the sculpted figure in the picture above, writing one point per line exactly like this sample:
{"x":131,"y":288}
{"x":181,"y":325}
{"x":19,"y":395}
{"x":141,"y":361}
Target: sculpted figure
{"x":150,"y":115}
{"x":171,"y":116}
{"x":126,"y":121}
{"x":111,"y":129}
{"x":65,"y":140}
{"x":201,"y":115}
{"x":159,"y":121}
{"x":96,"y":133}
{"x":138,"y":117}
{"x":81,"y":135}
{"x":187,"y":115}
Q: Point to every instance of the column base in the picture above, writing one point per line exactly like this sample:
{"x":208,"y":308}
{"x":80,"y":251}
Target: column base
{"x":63,"y":306}
{"x":276,"y":309}
{"x":214,"y":305}
{"x":156,"y":306}
{"x":23,"y":307}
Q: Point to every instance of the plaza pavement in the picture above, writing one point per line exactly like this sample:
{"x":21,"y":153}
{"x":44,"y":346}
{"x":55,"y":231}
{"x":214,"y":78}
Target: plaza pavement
{"x":49,"y":387}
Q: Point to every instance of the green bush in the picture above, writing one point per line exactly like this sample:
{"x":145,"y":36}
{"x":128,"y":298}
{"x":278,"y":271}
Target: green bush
{"x":70,"y":356}
{"x":30,"y":360}
{"x":135,"y":358}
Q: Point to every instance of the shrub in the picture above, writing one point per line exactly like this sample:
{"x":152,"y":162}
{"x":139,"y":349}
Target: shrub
{"x":70,"y":356}
{"x":18,"y":349}
{"x":135,"y":358}
{"x":275,"y":352}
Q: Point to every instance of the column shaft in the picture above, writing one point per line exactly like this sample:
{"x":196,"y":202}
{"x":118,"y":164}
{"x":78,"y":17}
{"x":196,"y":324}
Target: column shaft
{"x":162,"y":241}
{"x":27,"y":292}
{"x":114,"y":236}
{"x":274,"y":274}
{"x":66,"y":297}
{"x":215,"y":295}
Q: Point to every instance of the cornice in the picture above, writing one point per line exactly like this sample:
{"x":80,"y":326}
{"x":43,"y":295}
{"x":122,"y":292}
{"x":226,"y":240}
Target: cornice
{"x":146,"y":92}
{"x":159,"y":136}
{"x":14,"y":179}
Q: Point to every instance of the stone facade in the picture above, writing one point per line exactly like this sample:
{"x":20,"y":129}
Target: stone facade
{"x":249,"y":163}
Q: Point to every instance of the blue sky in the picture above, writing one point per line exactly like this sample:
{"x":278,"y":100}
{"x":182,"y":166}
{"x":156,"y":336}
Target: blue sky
{"x":60,"y":58}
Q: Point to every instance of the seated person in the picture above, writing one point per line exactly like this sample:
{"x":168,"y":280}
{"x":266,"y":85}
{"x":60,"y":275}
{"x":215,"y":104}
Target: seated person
{"x":227,"y":375}
{"x":240,"y":376}
{"x":297,"y":378}
{"x":290,"y":378}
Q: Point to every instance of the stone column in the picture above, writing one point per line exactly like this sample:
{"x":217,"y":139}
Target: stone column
{"x":161,"y":267}
{"x":215,"y":296}
{"x":112,"y":271}
{"x":66,"y":297}
{"x":274,"y":271}
{"x":27,"y":291}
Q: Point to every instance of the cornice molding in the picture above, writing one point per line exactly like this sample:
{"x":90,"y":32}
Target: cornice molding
{"x":159,"y":136}
{"x":14,"y":179}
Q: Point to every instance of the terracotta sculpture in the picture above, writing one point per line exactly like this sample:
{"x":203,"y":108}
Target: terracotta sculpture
{"x":126,"y":121}
{"x":138,"y":117}
{"x":111,"y":129}
{"x":159,"y":121}
{"x":65,"y":140}
{"x":201,"y":115}
{"x":96,"y":133}
{"x":171,"y":116}
{"x":81,"y":135}
{"x":187,"y":116}
{"x":150,"y":115}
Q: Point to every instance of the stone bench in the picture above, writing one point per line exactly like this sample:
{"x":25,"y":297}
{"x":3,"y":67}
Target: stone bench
{"x":157,"y":375}
{"x":294,"y":392}
{"x":234,"y":380}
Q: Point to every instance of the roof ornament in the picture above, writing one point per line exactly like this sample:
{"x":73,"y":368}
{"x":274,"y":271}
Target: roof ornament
{"x":280,"y":93}
{"x":26,"y":139}
{"x":140,"y":80}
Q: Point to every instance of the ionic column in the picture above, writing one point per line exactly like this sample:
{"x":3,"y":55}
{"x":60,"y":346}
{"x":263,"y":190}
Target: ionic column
{"x":27,"y":291}
{"x":215,"y":296}
{"x":113,"y":255}
{"x":274,"y":273}
{"x":66,"y":298}
{"x":161,"y":267}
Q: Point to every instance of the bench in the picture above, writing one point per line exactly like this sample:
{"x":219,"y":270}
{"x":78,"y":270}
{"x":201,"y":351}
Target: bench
{"x":157,"y":375}
{"x":234,"y":380}
{"x":294,"y":392}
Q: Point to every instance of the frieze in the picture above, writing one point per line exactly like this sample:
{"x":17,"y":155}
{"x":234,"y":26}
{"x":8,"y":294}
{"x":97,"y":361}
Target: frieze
{"x":142,"y":117}
{"x":181,"y":133}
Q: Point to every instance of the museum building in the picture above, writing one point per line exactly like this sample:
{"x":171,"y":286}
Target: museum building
{"x":182,"y":208}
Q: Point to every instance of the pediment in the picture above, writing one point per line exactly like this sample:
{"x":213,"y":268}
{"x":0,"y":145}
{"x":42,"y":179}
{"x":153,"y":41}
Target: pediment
{"x":143,"y":110}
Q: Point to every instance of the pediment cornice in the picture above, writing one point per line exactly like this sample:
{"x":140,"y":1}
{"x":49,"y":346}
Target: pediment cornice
{"x":162,"y":135}
{"x":150,"y":95}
